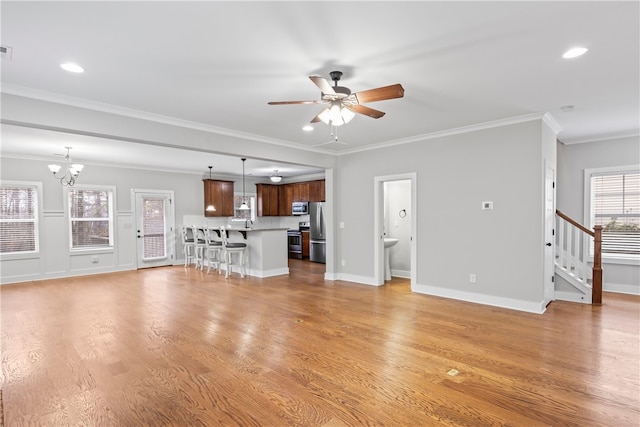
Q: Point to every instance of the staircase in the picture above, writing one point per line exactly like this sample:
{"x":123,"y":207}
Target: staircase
{"x":573,"y":241}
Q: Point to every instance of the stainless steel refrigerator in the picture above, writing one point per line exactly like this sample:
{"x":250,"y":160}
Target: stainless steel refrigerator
{"x":317,"y":233}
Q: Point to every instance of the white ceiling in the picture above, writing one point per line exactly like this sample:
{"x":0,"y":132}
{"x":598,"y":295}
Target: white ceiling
{"x":217,"y":64}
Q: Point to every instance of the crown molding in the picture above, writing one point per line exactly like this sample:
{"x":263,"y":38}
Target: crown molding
{"x":634,"y":133}
{"x":460,"y":130}
{"x":143,"y":115}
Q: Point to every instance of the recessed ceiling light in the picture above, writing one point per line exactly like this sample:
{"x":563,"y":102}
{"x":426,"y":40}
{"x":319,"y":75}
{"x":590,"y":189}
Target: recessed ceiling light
{"x":307,"y":128}
{"x":575,"y":52}
{"x":72,"y":68}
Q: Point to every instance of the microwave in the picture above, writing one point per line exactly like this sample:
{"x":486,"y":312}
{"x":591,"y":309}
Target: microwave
{"x":300,"y":208}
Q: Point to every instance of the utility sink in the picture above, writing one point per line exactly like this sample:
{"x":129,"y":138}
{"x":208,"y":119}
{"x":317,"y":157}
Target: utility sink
{"x":389,"y":242}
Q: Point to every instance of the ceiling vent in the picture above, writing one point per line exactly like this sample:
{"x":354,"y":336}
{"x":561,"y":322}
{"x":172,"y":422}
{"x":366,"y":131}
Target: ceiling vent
{"x":5,"y":52}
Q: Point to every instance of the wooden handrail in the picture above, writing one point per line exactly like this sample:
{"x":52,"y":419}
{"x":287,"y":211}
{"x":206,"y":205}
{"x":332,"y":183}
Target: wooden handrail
{"x":575,"y":223}
{"x":596,"y":281}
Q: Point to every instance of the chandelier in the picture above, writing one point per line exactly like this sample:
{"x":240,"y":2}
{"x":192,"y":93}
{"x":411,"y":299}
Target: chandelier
{"x":70,"y":174}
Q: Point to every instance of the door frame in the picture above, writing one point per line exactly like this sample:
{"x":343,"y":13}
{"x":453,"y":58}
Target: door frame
{"x":378,"y":225}
{"x":171,"y":234}
{"x":549,"y":293}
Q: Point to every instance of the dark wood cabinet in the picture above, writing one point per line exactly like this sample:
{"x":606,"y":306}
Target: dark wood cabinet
{"x":267,"y":199}
{"x":220,"y":195}
{"x":301,"y":192}
{"x":316,"y":191}
{"x":305,"y":244}
{"x":285,"y":198}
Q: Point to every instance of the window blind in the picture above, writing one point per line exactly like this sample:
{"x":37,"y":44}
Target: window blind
{"x":18,"y":219}
{"x":615,"y":205}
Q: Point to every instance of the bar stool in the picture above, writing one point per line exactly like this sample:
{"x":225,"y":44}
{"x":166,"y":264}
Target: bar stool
{"x":200,"y":246}
{"x":213,"y":252}
{"x":231,"y":248}
{"x":188,"y":245}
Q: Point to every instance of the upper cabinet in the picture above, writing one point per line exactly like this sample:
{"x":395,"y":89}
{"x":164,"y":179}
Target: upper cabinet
{"x":218,"y":194}
{"x":285,"y":199}
{"x":276,"y":200}
{"x":267,"y":199}
{"x":300,"y":191}
{"x":316,"y":191}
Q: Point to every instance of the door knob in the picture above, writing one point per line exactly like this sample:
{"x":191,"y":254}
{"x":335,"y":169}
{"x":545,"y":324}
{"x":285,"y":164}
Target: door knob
{"x":548,"y":243}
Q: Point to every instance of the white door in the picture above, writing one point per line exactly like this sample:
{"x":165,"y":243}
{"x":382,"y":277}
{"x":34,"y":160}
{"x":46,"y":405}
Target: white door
{"x":154,"y":228}
{"x":549,"y":235}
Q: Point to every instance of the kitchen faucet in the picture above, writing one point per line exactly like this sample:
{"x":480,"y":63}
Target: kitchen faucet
{"x":246,"y":223}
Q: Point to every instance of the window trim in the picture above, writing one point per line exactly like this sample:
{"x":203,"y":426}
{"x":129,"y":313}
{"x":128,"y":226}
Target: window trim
{"x":38,"y":221}
{"x":112,"y":217}
{"x":614,"y":170}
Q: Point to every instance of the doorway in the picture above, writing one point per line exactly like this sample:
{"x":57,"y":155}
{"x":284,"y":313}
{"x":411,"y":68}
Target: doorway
{"x":155,"y":225}
{"x":388,"y":218}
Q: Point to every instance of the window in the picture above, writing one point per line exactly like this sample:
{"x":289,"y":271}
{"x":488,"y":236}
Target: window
{"x":615,"y":205}
{"x":91,"y":218}
{"x":19,"y":218}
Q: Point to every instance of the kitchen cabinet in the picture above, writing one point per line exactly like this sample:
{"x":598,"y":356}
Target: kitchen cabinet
{"x":301,"y":192}
{"x":219,"y":194}
{"x":267,"y":200}
{"x":316,"y":191}
{"x":285,"y":198}
{"x":305,"y":244}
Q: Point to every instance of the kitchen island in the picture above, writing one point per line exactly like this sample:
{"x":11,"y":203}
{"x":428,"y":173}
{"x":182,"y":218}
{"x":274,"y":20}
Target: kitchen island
{"x":267,"y":248}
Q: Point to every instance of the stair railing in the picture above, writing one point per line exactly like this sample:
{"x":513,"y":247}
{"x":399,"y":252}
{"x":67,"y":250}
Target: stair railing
{"x":572,"y":241}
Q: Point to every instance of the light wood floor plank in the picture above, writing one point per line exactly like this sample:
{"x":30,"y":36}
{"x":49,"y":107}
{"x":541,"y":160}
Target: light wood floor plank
{"x":175,"y":346}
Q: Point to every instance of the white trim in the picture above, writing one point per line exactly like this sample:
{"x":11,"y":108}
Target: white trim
{"x":602,"y":137}
{"x":362,"y":280}
{"x":621,"y":288}
{"x":510,"y":303}
{"x":38,"y":220}
{"x":112,"y":212}
{"x":142,"y":115}
{"x":586,"y":209}
{"x":450,"y":132}
{"x":378,"y":224}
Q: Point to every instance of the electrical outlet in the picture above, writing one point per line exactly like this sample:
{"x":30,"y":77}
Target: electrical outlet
{"x":343,"y":263}
{"x":472,"y":278}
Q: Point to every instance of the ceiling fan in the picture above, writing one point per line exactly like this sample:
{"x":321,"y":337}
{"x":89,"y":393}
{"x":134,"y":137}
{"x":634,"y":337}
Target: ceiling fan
{"x":342,"y":103}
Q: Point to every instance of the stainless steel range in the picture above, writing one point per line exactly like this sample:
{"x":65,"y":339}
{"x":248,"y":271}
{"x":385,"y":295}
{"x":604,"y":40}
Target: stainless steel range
{"x":294,"y":238}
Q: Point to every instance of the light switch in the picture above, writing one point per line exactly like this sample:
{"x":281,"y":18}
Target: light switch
{"x":341,"y":224}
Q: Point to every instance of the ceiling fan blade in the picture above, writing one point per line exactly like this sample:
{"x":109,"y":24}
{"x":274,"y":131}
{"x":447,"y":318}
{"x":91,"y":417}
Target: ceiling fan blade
{"x":294,"y":102}
{"x":376,"y":114}
{"x":323,"y":85}
{"x":316,"y":119}
{"x":380,"y":94}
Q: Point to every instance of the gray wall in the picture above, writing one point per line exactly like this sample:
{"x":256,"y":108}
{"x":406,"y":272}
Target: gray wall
{"x":572,"y":161}
{"x":455,"y":237}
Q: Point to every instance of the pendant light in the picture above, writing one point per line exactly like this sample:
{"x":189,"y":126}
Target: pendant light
{"x":244,"y":206}
{"x":210,"y":208}
{"x":275,"y":177}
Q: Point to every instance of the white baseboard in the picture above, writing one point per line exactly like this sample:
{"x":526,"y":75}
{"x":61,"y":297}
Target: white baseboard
{"x":621,"y":288}
{"x":401,"y":273}
{"x":363,"y":280}
{"x":510,"y":303}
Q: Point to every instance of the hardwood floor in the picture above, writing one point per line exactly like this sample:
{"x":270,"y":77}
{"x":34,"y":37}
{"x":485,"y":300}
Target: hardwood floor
{"x":175,"y":346}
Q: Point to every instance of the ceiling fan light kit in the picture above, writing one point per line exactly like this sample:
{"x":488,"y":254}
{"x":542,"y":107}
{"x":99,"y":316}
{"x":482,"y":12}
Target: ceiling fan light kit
{"x":343,"y":105}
